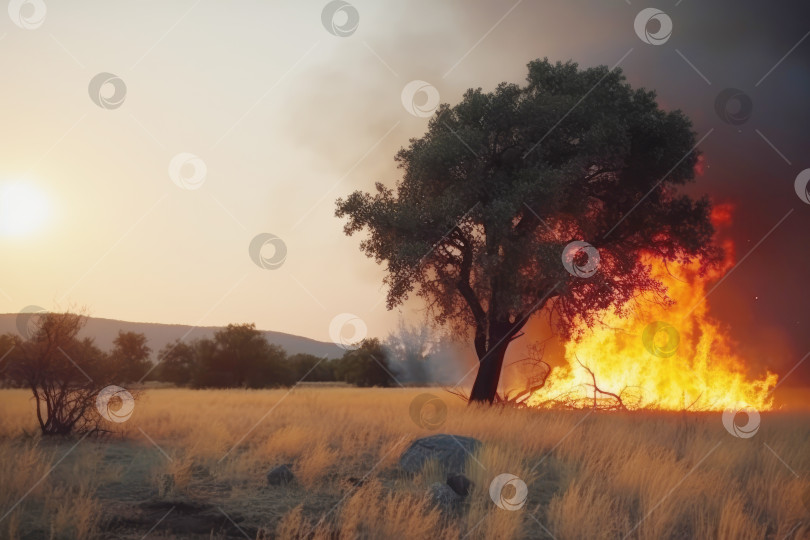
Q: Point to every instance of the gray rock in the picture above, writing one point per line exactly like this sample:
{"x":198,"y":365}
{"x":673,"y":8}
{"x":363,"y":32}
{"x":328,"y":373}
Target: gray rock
{"x":280,"y":475}
{"x":460,"y":484}
{"x":451,"y":451}
{"x":443,"y":497}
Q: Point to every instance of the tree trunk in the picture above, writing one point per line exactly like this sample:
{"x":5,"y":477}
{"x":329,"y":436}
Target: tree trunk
{"x":489,"y":373}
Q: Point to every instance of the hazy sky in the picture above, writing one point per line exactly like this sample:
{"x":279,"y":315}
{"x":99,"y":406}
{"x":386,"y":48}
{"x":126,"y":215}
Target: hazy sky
{"x":286,"y":117}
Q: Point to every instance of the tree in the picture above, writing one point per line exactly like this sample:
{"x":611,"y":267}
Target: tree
{"x":481,"y":224}
{"x":177,"y":362}
{"x":131,"y":355}
{"x":207,"y":370}
{"x":308,"y":367}
{"x":7,"y":345}
{"x":65,"y":374}
{"x":365,"y":366}
{"x":239,"y":355}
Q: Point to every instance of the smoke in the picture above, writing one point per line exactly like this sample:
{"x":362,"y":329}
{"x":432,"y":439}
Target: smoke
{"x":418,"y":355}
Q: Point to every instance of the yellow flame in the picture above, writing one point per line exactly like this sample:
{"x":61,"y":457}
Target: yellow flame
{"x":700,"y":372}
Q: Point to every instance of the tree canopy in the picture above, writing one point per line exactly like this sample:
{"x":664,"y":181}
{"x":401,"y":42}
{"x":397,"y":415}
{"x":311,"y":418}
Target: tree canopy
{"x":494,"y":193}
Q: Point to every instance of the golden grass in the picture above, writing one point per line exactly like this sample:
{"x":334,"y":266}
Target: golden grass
{"x":639,"y":475}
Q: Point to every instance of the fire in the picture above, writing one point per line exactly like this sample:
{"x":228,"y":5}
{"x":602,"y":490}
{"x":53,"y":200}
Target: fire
{"x":671,"y":357}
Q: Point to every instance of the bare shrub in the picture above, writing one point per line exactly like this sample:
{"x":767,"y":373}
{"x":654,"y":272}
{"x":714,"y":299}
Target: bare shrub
{"x":64,"y":373}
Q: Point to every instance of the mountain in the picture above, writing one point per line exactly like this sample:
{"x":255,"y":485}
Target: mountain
{"x":104,"y":331}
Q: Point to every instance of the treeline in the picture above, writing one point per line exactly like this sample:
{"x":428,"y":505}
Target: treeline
{"x":240,"y":356}
{"x":236,"y":356}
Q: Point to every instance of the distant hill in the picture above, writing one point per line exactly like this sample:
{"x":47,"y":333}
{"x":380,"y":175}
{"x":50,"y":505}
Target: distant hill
{"x":104,"y":332}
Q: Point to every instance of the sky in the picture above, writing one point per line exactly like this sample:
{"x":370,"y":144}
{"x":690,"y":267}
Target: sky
{"x":222,"y":121}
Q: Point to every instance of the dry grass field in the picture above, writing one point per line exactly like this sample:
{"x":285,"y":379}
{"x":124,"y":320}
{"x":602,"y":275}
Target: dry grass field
{"x":192,"y":464}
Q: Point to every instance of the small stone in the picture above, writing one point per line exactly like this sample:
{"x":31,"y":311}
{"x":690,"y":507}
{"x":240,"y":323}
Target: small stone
{"x":280,"y":475}
{"x":356,"y":482}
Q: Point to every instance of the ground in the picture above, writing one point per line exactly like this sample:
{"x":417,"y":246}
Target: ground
{"x":193,"y":464}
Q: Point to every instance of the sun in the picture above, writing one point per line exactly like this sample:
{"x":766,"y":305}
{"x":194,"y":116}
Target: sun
{"x":23,"y":208}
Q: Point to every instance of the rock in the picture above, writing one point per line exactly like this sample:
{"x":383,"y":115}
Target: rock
{"x":460,"y":484}
{"x":280,"y":475}
{"x":355,"y":482}
{"x":443,"y":497}
{"x":451,"y":451}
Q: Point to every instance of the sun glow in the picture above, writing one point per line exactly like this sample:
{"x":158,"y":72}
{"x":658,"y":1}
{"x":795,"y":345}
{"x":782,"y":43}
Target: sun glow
{"x":24,"y":208}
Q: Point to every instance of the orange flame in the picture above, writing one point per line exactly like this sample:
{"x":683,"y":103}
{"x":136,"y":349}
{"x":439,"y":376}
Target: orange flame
{"x":671,"y":357}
